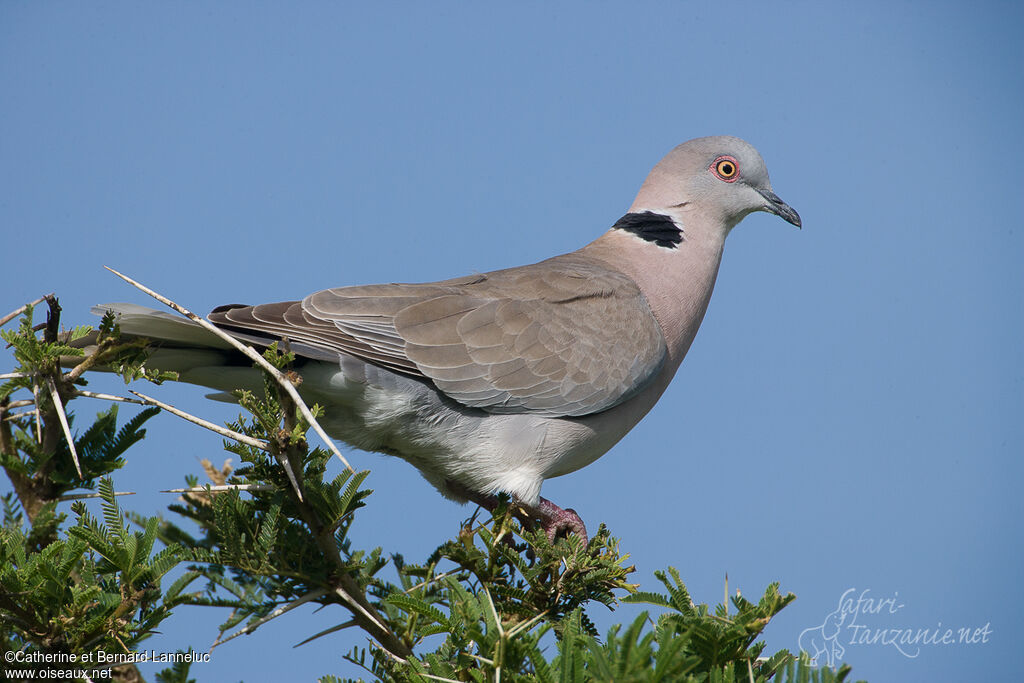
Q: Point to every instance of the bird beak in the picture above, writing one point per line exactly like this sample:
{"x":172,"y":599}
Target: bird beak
{"x":779,"y":207}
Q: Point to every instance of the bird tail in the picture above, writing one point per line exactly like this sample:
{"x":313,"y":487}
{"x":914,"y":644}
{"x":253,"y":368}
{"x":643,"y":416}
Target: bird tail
{"x":180,"y":345}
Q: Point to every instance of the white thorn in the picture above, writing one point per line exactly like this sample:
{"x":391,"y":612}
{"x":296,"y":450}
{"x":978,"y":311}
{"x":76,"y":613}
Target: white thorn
{"x":64,"y":424}
{"x":222,"y":487}
{"x":83,"y":496}
{"x":223,"y":431}
{"x":251,"y":353}
{"x":313,"y":595}
{"x":108,"y":397}
{"x":18,"y":311}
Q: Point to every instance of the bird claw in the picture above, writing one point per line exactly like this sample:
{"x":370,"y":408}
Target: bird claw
{"x":555,"y":521}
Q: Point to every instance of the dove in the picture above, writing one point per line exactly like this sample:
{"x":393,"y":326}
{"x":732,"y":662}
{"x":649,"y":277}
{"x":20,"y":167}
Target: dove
{"x":492,"y":383}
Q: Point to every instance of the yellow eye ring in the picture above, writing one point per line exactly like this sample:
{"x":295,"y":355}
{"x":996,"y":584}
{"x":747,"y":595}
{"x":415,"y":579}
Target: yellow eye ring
{"x":726,"y":168}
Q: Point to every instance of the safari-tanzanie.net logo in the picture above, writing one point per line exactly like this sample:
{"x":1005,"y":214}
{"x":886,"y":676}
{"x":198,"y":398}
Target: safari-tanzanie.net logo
{"x":861,"y":620}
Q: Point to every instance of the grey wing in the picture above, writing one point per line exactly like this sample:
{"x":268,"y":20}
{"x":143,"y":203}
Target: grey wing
{"x":565,"y":337}
{"x":365,"y":330}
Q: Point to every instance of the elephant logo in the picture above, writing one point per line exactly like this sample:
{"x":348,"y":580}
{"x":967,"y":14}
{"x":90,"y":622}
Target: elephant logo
{"x":822,"y":642}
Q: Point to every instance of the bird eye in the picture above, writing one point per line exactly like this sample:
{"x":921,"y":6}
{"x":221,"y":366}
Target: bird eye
{"x":726,"y":169}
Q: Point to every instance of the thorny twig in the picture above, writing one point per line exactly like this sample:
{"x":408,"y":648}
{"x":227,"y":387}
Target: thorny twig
{"x":18,"y":311}
{"x":346,"y":587}
{"x":249,"y":628}
{"x":206,"y":424}
{"x":250,"y":353}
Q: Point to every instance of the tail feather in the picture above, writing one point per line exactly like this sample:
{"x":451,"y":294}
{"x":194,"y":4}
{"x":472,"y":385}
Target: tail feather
{"x":174,"y":330}
{"x":161,"y":326}
{"x":182,"y":346}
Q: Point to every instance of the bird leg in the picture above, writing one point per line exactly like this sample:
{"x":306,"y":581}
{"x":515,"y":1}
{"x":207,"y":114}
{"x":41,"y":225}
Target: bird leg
{"x":557,"y":521}
{"x":554,"y":520}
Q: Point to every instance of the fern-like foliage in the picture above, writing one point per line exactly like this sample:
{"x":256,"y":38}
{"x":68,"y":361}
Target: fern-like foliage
{"x":97,"y":589}
{"x":496,"y":602}
{"x":95,"y":586}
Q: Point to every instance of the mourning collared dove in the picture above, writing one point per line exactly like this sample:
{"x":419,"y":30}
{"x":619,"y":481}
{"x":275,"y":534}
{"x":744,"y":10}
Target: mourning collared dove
{"x":492,"y":383}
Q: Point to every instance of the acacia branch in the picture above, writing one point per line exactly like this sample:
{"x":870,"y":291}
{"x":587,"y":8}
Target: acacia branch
{"x":249,"y":352}
{"x":18,"y":311}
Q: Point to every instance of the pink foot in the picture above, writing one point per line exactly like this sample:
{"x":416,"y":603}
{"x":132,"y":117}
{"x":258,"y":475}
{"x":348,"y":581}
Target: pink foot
{"x":554,"y":520}
{"x":557,"y":521}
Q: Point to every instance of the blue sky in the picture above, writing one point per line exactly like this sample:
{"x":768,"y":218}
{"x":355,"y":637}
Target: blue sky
{"x":850,"y":413}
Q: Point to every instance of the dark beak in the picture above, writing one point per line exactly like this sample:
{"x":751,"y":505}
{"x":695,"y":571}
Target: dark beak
{"x":780,"y":208}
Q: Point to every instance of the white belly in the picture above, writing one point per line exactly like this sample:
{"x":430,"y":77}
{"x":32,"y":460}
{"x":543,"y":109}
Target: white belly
{"x":377,"y":410}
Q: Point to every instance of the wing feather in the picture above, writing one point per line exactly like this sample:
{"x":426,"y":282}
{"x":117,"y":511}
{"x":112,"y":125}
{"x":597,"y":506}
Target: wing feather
{"x":564,"y":337}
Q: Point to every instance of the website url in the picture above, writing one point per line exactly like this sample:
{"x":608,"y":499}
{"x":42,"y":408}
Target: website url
{"x":57,"y":674}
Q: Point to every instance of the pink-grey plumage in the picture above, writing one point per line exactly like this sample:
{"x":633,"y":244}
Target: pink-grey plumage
{"x":492,"y":383}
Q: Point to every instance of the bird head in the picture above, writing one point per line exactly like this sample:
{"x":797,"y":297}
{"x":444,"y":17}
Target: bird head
{"x":721,"y":179}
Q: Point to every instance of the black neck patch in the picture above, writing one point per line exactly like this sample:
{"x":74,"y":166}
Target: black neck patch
{"x":653,"y":227}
